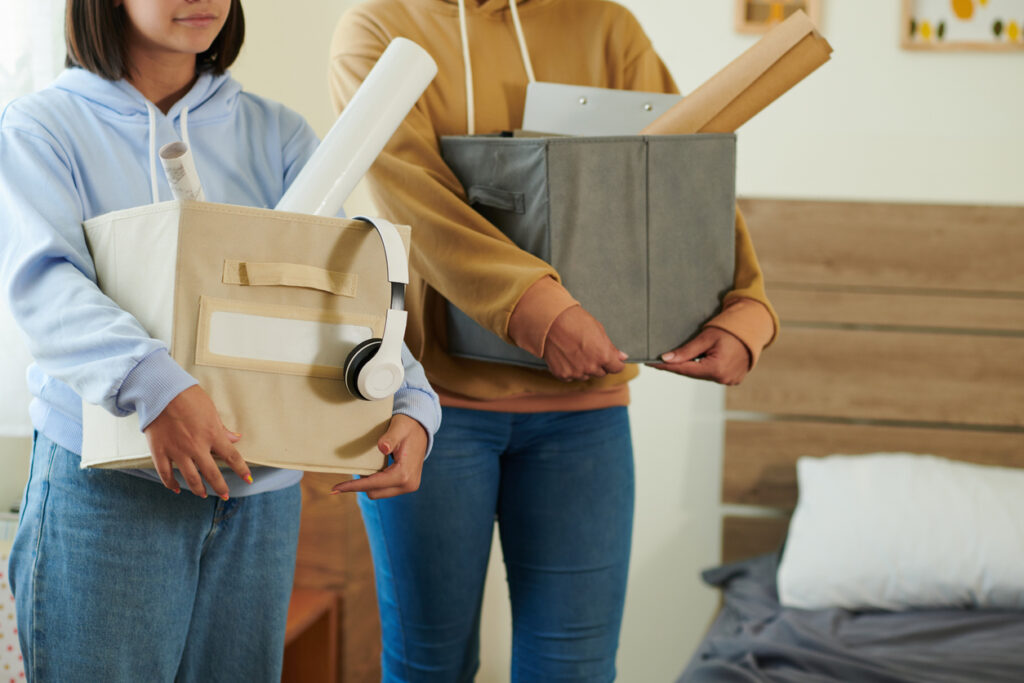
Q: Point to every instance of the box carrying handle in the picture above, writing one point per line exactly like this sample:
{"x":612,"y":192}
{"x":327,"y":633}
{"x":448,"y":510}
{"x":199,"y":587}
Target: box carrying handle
{"x":497,"y":198}
{"x":267,"y":274}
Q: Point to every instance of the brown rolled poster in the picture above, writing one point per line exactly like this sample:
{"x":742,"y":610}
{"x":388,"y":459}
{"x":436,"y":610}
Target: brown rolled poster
{"x":782,"y":58}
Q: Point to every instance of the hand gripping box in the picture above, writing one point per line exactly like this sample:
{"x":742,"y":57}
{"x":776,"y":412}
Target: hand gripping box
{"x":262,"y":307}
{"x":641,"y":229}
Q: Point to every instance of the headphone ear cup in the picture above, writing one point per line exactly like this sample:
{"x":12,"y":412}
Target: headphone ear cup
{"x":356,"y":361}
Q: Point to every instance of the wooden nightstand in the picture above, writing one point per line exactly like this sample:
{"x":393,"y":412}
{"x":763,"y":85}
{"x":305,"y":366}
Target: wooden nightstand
{"x":311,"y":637}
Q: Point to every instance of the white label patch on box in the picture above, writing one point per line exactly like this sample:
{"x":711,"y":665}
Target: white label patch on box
{"x":268,"y":338}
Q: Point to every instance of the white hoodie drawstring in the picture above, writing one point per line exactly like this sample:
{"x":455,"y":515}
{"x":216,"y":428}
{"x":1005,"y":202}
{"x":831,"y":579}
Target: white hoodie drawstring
{"x":151,"y":110}
{"x":154,"y":190}
{"x":470,"y":113}
{"x":184,"y":128}
{"x":464,"y":34}
{"x":522,"y":41}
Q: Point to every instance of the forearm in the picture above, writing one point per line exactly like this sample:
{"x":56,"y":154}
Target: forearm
{"x":536,"y":311}
{"x":746,"y":311}
{"x":417,"y":399}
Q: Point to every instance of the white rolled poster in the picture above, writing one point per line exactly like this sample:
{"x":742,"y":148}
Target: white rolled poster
{"x":378,"y":107}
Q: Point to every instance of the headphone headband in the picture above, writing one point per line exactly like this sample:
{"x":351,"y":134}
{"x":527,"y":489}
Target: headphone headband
{"x":382,"y":374}
{"x":394,"y":249}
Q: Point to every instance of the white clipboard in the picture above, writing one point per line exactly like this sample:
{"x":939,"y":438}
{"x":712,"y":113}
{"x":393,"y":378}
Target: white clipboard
{"x":584,"y":110}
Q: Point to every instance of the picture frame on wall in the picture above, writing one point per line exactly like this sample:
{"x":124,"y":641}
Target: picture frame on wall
{"x":994,"y":25}
{"x":757,"y":16}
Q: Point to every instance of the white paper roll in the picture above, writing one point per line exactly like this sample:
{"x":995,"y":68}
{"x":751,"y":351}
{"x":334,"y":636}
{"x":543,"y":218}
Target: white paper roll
{"x":378,"y":107}
{"x":180,"y":170}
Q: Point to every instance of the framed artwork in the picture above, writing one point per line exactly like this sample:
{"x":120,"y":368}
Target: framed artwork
{"x":757,"y":16}
{"x":962,"y":25}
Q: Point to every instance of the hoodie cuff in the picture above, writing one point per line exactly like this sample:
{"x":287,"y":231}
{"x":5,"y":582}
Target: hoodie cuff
{"x":535,"y":312}
{"x":151,"y":385}
{"x":422,"y":407}
{"x":749,"y":321}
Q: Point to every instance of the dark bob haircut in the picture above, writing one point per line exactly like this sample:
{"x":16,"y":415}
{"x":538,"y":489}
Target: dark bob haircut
{"x":96,"y":34}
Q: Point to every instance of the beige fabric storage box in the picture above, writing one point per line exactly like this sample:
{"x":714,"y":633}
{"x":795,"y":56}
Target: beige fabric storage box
{"x":262,"y":307}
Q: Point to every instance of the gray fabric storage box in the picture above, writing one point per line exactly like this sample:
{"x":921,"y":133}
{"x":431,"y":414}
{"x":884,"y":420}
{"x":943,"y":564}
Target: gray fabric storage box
{"x":640,"y":229}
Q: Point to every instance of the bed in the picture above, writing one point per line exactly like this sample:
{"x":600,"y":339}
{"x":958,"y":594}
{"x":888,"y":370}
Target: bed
{"x":903,"y":332}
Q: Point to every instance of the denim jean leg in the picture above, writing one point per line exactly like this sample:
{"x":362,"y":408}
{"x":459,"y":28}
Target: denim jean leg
{"x":246,"y":568}
{"x":103,"y":580}
{"x":430,"y":551}
{"x":23,"y":549}
{"x":107,"y":567}
{"x":566,"y":518}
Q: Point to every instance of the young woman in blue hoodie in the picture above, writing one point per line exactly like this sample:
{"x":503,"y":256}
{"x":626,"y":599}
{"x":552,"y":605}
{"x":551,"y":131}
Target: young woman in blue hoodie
{"x":117,"y":577}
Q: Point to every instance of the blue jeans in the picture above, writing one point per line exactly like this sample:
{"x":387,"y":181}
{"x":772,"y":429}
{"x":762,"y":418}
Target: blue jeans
{"x":561,"y":486}
{"x":118,"y":579}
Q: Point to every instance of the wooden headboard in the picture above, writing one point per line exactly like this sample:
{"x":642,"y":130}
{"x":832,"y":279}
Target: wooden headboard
{"x":902,"y":330}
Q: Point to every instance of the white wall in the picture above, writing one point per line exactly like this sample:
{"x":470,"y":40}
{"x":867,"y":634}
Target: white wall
{"x":876,"y":122}
{"x":285,"y":54}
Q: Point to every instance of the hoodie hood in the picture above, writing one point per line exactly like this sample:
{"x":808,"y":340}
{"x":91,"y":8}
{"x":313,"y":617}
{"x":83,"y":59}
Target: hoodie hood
{"x":211,"y":97}
{"x":486,"y":6}
{"x":108,"y":134}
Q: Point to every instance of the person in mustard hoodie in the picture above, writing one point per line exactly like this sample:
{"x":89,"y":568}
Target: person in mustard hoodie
{"x":546,"y":453}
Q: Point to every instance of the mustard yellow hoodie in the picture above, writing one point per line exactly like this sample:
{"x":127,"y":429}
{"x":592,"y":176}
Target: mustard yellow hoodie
{"x":458,"y":255}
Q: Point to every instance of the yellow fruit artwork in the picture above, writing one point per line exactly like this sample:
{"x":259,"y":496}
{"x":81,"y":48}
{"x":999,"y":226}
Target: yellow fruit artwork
{"x":993,"y":25}
{"x":963,"y":9}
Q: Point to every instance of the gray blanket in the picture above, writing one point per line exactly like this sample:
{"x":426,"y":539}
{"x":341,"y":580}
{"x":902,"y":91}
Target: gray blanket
{"x":755,"y":639}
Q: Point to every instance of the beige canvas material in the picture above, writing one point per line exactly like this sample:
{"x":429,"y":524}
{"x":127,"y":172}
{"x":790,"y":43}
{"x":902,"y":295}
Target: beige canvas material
{"x":170,"y":265}
{"x":289,"y":274}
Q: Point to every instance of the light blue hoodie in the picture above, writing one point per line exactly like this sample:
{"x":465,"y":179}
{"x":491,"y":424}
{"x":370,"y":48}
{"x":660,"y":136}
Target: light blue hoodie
{"x":85,"y":146}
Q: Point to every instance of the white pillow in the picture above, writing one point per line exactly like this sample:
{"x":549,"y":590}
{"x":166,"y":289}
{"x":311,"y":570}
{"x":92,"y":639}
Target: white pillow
{"x":896,"y":531}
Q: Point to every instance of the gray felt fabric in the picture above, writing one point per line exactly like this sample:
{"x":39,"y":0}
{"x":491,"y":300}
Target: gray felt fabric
{"x":640,"y":229}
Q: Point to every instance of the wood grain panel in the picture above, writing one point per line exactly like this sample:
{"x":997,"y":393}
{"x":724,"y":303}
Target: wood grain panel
{"x":760,"y":457}
{"x":894,"y":376}
{"x":334,"y":554}
{"x":311,"y":638}
{"x":947,"y":247}
{"x":900,"y":322}
{"x":744,"y":537}
{"x":894,"y":309}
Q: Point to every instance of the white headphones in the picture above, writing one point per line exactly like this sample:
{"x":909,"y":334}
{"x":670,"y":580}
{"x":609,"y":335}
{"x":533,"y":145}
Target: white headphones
{"x":373,"y":369}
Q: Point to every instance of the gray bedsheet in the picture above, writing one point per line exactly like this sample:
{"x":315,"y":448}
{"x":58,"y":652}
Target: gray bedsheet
{"x":755,"y":639}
